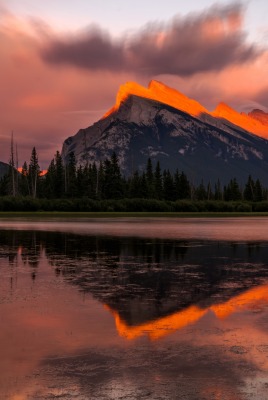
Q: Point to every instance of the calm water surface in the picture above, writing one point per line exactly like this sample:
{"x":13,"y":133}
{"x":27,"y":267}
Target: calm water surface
{"x":134,"y":309}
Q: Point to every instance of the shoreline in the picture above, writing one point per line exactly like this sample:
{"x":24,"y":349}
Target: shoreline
{"x":140,"y":214}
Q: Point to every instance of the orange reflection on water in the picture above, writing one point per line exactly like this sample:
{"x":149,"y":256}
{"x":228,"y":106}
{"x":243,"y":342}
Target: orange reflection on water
{"x":164,"y":326}
{"x":160,"y":327}
{"x":255,"y":297}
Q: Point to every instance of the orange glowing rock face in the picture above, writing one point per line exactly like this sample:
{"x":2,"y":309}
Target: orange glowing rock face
{"x":256,"y":123}
{"x":164,"y":326}
{"x":260,"y":116}
{"x":175,"y":99}
{"x":245,"y":121}
{"x":158,"y":92}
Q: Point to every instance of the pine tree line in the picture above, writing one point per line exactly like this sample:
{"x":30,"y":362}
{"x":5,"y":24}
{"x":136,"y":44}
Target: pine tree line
{"x":105,"y":181}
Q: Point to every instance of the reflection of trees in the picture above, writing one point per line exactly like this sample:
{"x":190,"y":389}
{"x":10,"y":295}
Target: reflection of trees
{"x":146,"y":278}
{"x":143,"y":278}
{"x":30,"y":254}
{"x":253,"y":248}
{"x":27,"y":244}
{"x":9,"y":246}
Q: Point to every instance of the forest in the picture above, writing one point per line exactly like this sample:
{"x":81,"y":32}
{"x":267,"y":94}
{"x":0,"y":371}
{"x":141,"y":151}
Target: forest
{"x":103,"y":187}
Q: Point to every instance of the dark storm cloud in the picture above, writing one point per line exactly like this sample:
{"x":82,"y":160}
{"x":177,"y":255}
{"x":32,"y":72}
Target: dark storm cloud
{"x":198,"y":43}
{"x":92,"y":50}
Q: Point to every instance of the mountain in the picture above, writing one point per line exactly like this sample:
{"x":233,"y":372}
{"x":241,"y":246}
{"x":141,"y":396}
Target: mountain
{"x":3,"y":169}
{"x":162,"y":123}
{"x":255,"y":122}
{"x":260,"y":116}
{"x":158,"y":283}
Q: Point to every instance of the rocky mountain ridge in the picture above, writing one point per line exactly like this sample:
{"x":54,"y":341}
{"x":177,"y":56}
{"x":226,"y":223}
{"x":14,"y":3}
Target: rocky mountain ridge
{"x":165,"y":125}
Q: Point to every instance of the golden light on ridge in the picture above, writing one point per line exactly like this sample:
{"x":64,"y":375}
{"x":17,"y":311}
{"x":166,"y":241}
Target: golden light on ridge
{"x":159,"y":92}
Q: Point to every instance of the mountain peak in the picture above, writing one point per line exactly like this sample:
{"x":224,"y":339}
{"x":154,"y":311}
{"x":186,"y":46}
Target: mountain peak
{"x":259,"y":115}
{"x":161,"y":123}
{"x":257,"y":111}
{"x":157,"y":91}
{"x":255,"y":122}
{"x":159,"y":87}
{"x":154,"y":83}
{"x":126,"y":90}
{"x":222,"y":109}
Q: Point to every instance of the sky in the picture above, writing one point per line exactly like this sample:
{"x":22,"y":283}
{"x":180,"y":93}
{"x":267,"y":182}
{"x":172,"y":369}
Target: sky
{"x":62,"y":62}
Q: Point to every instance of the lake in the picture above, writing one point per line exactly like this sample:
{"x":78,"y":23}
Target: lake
{"x":129,"y":308}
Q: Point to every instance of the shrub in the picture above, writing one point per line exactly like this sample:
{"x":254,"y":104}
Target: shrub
{"x":243,"y":207}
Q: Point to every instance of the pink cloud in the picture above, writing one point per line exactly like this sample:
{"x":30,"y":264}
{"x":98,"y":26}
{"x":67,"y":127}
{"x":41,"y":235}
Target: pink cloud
{"x":44,"y":105}
{"x":241,"y":86}
{"x":46,"y":102}
{"x":206,"y":42}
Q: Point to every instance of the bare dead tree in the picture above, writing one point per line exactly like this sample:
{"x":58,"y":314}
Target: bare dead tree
{"x":12,"y":166}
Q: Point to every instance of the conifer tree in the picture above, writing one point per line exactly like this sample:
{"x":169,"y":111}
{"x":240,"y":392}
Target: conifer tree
{"x":200,"y":192}
{"x":91,"y":183}
{"x":168,"y":186}
{"x":86,"y":180}
{"x":182,"y":186}
{"x":71,"y":187}
{"x":144,"y":190}
{"x":59,"y":176}
{"x":135,"y":186}
{"x":50,"y":180}
{"x":158,"y":183}
{"x":232,"y":191}
{"x":24,"y":187}
{"x":34,"y":174}
{"x":116,"y":177}
{"x":249,"y":189}
{"x":150,"y":179}
{"x":12,"y":169}
{"x":112,"y":185}
{"x":258,"y":191}
{"x":218,"y":195}
{"x":100,"y":182}
{"x":209,"y":192}
{"x":4,"y":185}
{"x":185,"y":186}
{"x":94,"y":174}
{"x":80,"y":181}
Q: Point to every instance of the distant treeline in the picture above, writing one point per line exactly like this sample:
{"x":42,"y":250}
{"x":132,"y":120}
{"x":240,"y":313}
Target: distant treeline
{"x":104,"y":188}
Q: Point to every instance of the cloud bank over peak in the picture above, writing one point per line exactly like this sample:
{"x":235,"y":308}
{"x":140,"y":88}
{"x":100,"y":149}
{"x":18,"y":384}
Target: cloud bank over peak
{"x":202,"y":42}
{"x":53,"y":83}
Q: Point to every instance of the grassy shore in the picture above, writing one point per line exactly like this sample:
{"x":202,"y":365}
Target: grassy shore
{"x":67,"y":215}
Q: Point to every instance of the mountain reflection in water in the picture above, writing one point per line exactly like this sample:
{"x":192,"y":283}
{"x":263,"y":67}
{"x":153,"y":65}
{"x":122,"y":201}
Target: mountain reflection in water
{"x":198,"y":296}
{"x":253,"y":298}
{"x":144,"y":280}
